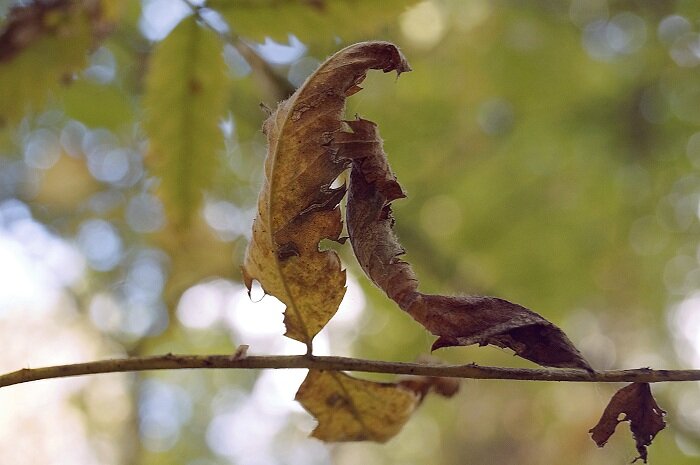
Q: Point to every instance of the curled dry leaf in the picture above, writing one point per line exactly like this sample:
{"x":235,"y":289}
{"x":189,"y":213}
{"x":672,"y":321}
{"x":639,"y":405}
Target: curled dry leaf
{"x":456,"y":320}
{"x":351,"y":409}
{"x":423,"y":385}
{"x":297,"y":207}
{"x":639,"y":407}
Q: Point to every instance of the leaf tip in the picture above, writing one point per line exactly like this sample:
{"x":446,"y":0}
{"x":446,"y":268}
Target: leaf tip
{"x":247,"y":279}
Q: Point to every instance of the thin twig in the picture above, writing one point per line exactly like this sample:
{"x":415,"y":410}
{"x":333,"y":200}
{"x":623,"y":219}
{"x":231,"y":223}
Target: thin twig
{"x":471,"y":371}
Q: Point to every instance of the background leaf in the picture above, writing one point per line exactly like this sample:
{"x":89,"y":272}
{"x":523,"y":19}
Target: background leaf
{"x":315,"y":21}
{"x":86,"y":101}
{"x":41,"y":47}
{"x":186,"y":98}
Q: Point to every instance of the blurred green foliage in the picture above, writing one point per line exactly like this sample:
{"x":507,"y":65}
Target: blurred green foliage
{"x":550,"y":153}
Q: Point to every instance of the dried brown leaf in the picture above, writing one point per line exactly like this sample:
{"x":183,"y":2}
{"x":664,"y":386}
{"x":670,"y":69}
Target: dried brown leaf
{"x":351,"y":409}
{"x":639,"y":407}
{"x":423,"y":385}
{"x":456,"y":320}
{"x":297,"y":207}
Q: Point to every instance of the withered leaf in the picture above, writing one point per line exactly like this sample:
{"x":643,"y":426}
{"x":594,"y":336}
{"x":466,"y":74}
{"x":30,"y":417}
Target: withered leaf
{"x":456,"y":320}
{"x":639,"y":407}
{"x":423,"y":385}
{"x":351,"y":409}
{"x":297,"y":207}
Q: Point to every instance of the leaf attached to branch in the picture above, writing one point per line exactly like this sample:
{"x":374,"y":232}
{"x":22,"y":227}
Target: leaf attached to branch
{"x":639,"y":407}
{"x":456,"y":320}
{"x":297,"y":207}
{"x":351,"y":409}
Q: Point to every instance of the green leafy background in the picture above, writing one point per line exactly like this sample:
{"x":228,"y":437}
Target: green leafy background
{"x":550,"y":153}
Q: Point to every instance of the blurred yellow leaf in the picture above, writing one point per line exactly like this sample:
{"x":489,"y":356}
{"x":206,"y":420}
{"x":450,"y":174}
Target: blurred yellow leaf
{"x":350,"y":409}
{"x":186,"y":97}
{"x":309,"y":20}
{"x":41,"y":46}
{"x":87,"y":102}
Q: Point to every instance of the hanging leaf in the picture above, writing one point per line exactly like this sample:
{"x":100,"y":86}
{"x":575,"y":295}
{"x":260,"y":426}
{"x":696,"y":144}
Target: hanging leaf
{"x":42,"y":45}
{"x":456,"y":320}
{"x":186,"y":98}
{"x":297,"y":207}
{"x":422,"y":385}
{"x":315,"y":20}
{"x":639,"y":407}
{"x":351,"y":409}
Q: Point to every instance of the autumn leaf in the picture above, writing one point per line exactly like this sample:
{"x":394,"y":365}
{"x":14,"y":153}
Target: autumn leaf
{"x":639,"y":407}
{"x":186,"y":98}
{"x":297,"y":207}
{"x":456,"y":320}
{"x":351,"y":409}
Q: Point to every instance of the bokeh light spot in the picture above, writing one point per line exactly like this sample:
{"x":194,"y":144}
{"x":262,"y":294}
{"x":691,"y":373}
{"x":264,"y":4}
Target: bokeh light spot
{"x":423,"y":24}
{"x":496,"y":117}
{"x":145,"y":213}
{"x":672,"y":27}
{"x":202,"y":305}
{"x":42,"y":149}
{"x":163,"y":409}
{"x":100,"y":243}
{"x":281,"y":54}
{"x":159,"y":17}
{"x":685,"y":50}
{"x":441,"y":216}
{"x":103,"y":66}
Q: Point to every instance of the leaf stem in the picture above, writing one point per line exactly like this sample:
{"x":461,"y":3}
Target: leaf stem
{"x":471,"y":371}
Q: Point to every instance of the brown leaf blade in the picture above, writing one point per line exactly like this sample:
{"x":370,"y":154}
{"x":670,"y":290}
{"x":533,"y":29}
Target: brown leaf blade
{"x":351,"y":409}
{"x":638,"y":405}
{"x":297,"y":207}
{"x":456,"y":320}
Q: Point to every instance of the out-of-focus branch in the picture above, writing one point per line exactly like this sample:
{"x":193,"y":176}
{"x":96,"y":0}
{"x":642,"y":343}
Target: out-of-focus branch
{"x":272,"y":84}
{"x":240,"y":361}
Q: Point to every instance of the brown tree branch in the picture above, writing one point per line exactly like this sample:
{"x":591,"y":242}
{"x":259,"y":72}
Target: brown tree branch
{"x":471,"y":371}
